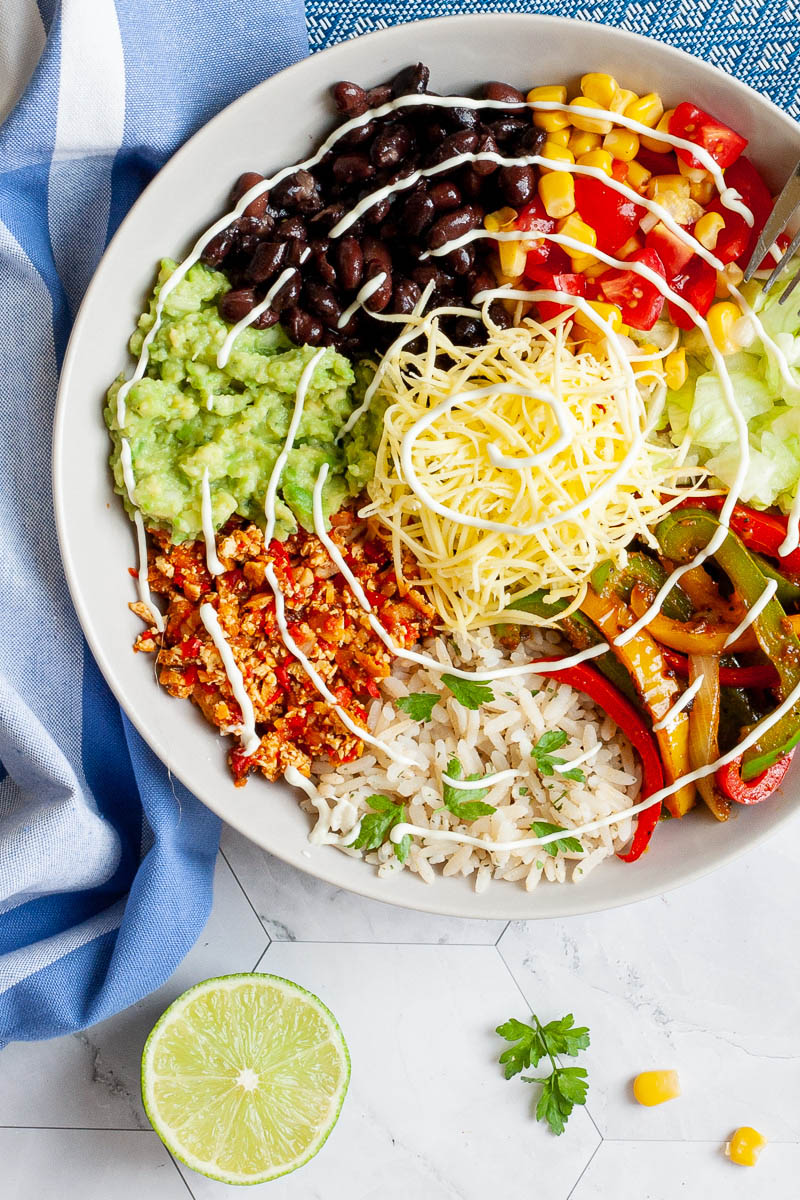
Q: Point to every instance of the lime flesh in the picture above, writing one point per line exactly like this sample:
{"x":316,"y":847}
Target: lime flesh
{"x":243,"y":1077}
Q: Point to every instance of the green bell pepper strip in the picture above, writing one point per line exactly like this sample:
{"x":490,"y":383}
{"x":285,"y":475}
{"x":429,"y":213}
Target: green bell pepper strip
{"x":581,"y":633}
{"x":681,"y":535}
{"x":788,"y":593}
{"x":608,"y":580}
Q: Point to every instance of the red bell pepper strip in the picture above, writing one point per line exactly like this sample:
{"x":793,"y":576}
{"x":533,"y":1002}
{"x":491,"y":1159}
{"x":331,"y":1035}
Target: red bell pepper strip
{"x":729,"y":780}
{"x":597,"y":687}
{"x":696,"y":125}
{"x":760,"y":531}
{"x":760,"y":675}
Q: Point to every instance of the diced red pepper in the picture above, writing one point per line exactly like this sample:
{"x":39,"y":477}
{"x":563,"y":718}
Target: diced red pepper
{"x":638,"y":298}
{"x":570,"y":283}
{"x":282,"y":676}
{"x":674,"y":253}
{"x":759,"y":675}
{"x":133,"y":572}
{"x":613,"y":217}
{"x":694,"y":124}
{"x":729,"y":780}
{"x":761,"y":531}
{"x":190,"y":675}
{"x":191,"y":647}
{"x":697,"y":284}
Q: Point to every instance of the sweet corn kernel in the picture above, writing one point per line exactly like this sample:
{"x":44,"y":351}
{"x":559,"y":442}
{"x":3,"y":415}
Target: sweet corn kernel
{"x":654,"y":1087}
{"x":599,"y":159}
{"x":622,"y":143}
{"x":662,"y":127}
{"x":559,"y":153}
{"x":672,"y":191}
{"x":575,"y":227}
{"x":549,"y":120}
{"x":721,"y":318}
{"x":595,"y":269}
{"x":693,"y":174}
{"x":675,"y":369}
{"x":704,"y":191}
{"x":607,"y":312}
{"x":662,"y":185}
{"x":582,"y":120}
{"x":647,"y":110}
{"x":561,"y":137}
{"x":513,"y":256}
{"x":622,"y":99}
{"x":557,"y":193}
{"x":630,"y":247}
{"x":502,"y":218}
{"x":745,"y":1146}
{"x":638,"y":176}
{"x":600,"y":87}
{"x":581,"y":142}
{"x":730,"y":276}
{"x":708,"y":229}
{"x":647,"y":363}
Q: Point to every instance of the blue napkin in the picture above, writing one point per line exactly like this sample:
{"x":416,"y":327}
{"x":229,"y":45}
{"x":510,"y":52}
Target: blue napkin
{"x":105,"y":865}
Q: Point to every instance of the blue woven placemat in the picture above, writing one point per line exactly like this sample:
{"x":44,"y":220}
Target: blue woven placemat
{"x":756,"y":42}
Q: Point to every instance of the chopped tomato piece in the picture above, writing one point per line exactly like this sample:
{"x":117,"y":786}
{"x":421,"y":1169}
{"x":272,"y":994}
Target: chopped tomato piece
{"x":695,"y":125}
{"x":619,"y":170}
{"x":533,"y":218}
{"x":613,"y":217}
{"x":673,"y":253}
{"x":638,"y":298}
{"x":569,"y":282}
{"x":655,"y":163}
{"x":737,"y":240}
{"x":697,"y":285}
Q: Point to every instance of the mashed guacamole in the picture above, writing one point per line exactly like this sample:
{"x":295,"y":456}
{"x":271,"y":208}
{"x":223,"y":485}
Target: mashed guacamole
{"x":187,"y":415}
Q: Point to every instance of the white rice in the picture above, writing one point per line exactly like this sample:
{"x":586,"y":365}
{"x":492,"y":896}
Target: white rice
{"x":499,"y":735}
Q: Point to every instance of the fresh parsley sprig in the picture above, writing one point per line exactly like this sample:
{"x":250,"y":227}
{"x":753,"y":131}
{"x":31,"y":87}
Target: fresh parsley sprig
{"x":547,"y":761}
{"x":564,"y":1087}
{"x":471,"y":693}
{"x":566,"y":844}
{"x":471,"y":806}
{"x":377,"y":825}
{"x":419,"y":705}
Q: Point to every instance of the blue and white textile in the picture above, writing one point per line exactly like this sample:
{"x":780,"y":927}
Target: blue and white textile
{"x":105,"y":867}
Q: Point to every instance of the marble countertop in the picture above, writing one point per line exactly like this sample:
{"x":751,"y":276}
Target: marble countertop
{"x":704,"y":980}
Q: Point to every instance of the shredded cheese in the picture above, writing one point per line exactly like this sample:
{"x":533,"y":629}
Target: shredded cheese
{"x":518,"y":480}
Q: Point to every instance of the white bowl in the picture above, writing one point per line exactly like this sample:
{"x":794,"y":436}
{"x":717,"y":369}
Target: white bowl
{"x":276,"y":123}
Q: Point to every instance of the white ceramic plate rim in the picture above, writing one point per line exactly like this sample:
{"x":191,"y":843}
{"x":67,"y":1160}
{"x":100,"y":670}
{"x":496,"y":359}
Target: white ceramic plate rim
{"x":448,"y":896}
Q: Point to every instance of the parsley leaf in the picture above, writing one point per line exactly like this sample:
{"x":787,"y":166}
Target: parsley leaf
{"x":472,"y":694}
{"x":568,"y":843}
{"x":472,"y":806}
{"x":565,"y":1086}
{"x":377,"y":825}
{"x":419,"y":705}
{"x":547,"y":761}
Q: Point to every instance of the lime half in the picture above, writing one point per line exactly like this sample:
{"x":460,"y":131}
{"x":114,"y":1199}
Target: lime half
{"x":243,"y":1077}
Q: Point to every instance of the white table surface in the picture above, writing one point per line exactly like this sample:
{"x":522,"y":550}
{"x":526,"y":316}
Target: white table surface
{"x":705,"y":980}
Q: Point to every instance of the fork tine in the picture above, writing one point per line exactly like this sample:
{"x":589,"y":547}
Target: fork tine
{"x":785,"y":206}
{"x":786,"y":257}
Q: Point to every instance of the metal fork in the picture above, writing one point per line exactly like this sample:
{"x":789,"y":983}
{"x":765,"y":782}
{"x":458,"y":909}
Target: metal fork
{"x":785,"y":207}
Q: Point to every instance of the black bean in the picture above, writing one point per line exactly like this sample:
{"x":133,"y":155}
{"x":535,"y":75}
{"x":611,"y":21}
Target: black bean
{"x":461,"y":260}
{"x":427,"y":273}
{"x":299,"y":191}
{"x":507,"y":128}
{"x":320,"y":261}
{"x":296,"y":252}
{"x":352,"y":168}
{"x":350,"y":98}
{"x":487,"y":145}
{"x":291,"y":227}
{"x":463,"y":142}
{"x":247,"y":232}
{"x":462,"y":117}
{"x":445,"y":195}
{"x":377,"y":213}
{"x":268,"y":258}
{"x":289,"y":292}
{"x":411,"y":80}
{"x":405,"y":295}
{"x":349,"y":263}
{"x":500,"y":314}
{"x":257,"y":207}
{"x":433,"y":133}
{"x":418,"y":212}
{"x":503,"y":92}
{"x":381,"y":297}
{"x":375,"y":253}
{"x":265,"y":319}
{"x":236,"y":304}
{"x":322,"y":300}
{"x":531,"y":141}
{"x":379,"y":95}
{"x":467,"y":332}
{"x":391,"y":145}
{"x":518,"y":185}
{"x":302,"y":328}
{"x":217,"y":249}
{"x":357,"y":136}
{"x":481,"y":280}
{"x":470,"y":182}
{"x":326,"y":218}
{"x":453,"y":225}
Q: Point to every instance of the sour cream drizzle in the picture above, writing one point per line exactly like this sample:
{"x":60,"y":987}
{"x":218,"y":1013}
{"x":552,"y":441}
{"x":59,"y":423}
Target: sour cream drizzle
{"x":683,"y":701}
{"x":215,"y":567}
{"x":224,"y":351}
{"x":759,"y":606}
{"x":362,"y":296}
{"x":250,"y":739}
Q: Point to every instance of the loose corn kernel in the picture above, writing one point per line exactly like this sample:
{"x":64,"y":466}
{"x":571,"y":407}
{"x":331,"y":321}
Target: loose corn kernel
{"x":654,"y":1087}
{"x":575,"y":227}
{"x":672,"y":191}
{"x":581,"y":119}
{"x":600,"y":87}
{"x":557,"y":193}
{"x":647,"y":110}
{"x":730,"y":276}
{"x":648,"y":363}
{"x":703,"y":191}
{"x":630,"y":247}
{"x":561,"y":137}
{"x":596,"y":269}
{"x":693,"y":174}
{"x":721,"y":318}
{"x":581,"y":142}
{"x":513,"y":256}
{"x":549,"y":120}
{"x":708,"y":229}
{"x":745,"y":1146}
{"x":599,"y":159}
{"x":622,"y":143}
{"x":502,"y":218}
{"x":622,"y":99}
{"x":662,"y":127}
{"x":662,"y":185}
{"x":607,"y":312}
{"x":638,"y":176}
{"x":675,"y":369}
{"x":559,"y":153}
